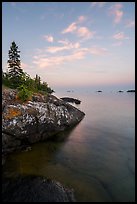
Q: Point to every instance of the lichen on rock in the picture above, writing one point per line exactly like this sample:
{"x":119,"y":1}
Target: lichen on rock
{"x":35,"y":120}
{"x":12,"y":112}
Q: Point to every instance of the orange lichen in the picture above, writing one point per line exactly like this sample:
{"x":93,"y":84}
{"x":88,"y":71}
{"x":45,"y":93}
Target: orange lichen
{"x":12,"y":112}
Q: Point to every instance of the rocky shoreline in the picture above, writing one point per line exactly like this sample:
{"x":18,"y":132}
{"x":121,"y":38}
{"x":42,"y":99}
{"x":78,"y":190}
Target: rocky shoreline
{"x":35,"y":120}
{"x":71,"y":100}
{"x":23,"y":124}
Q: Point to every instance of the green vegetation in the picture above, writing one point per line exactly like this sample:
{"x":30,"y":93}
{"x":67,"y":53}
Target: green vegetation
{"x":16,"y":78}
{"x":24,"y":94}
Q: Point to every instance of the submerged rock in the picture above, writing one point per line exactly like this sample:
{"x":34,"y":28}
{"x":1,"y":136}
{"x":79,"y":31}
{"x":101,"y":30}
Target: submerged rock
{"x":35,"y":120}
{"x":35,"y":189}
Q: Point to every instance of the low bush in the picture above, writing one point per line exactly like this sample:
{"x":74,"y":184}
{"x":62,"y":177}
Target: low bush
{"x":24,"y":94}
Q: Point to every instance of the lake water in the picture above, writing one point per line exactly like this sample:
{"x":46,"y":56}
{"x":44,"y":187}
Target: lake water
{"x":96,"y":158}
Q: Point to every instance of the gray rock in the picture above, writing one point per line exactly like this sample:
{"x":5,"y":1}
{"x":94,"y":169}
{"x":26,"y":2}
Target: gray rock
{"x":72,"y":100}
{"x":36,"y":120}
{"x":35,"y":189}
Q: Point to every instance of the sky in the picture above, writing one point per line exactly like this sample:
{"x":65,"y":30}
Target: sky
{"x":73,"y":44}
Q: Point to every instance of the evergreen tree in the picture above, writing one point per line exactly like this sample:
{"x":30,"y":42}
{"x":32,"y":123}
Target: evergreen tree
{"x":14,"y":69}
{"x":37,"y":81}
{"x":15,"y":77}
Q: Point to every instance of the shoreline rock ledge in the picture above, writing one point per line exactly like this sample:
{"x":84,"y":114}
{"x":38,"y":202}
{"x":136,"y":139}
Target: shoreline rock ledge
{"x":71,"y":100}
{"x":35,"y":189}
{"x":35,"y":120}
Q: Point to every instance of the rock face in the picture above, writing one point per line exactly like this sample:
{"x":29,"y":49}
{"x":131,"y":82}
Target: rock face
{"x":35,"y":120}
{"x":34,"y":189}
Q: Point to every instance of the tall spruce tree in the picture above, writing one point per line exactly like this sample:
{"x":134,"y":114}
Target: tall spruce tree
{"x":14,"y":69}
{"x":37,"y":81}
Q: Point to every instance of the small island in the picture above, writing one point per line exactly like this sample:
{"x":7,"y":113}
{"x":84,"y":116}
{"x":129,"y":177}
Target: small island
{"x":132,"y":90}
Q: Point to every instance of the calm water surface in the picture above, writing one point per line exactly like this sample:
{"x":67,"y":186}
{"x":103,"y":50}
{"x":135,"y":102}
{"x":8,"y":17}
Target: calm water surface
{"x":96,"y":158}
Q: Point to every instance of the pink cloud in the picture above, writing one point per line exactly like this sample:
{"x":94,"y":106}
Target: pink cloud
{"x":85,"y":32}
{"x":94,"y":51}
{"x":117,"y":44}
{"x":116,"y":11}
{"x":73,"y":26}
{"x":118,"y":16}
{"x":49,"y":38}
{"x":81,"y":19}
{"x":120,"y":36}
{"x":56,"y":49}
{"x":52,"y":61}
{"x":64,"y":42}
{"x":130,"y":24}
{"x":67,"y":46}
{"x":98,"y":51}
{"x":80,"y":53}
{"x":70,"y":29}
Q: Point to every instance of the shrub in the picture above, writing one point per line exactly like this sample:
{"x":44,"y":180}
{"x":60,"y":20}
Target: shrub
{"x":24,"y":94}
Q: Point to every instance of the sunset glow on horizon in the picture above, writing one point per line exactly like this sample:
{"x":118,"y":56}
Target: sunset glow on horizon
{"x":73,"y":44}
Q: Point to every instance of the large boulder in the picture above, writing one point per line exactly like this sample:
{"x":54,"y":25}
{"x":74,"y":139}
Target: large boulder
{"x":35,"y":120}
{"x":34,"y":189}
